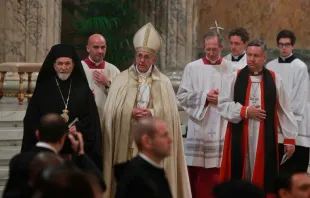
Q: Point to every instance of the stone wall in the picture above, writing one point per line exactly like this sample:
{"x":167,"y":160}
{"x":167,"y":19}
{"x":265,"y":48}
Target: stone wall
{"x":263,"y":18}
{"x":182,"y":23}
{"x":29,"y":29}
{"x":175,"y":20}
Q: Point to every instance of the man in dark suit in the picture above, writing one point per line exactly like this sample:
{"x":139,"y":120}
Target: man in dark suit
{"x":144,"y":176}
{"x":51,"y":135}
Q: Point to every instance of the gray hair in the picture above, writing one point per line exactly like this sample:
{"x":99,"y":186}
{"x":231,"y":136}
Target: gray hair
{"x":258,"y":43}
{"x":213,"y":33}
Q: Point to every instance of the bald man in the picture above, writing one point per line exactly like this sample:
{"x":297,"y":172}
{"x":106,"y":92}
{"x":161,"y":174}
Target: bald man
{"x":144,"y":175}
{"x":99,"y":72}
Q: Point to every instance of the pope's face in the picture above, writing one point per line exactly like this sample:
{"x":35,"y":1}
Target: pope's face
{"x":144,"y":60}
{"x":63,"y":67}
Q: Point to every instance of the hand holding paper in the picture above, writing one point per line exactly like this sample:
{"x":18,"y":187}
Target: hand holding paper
{"x":288,"y":150}
{"x":284,"y":159}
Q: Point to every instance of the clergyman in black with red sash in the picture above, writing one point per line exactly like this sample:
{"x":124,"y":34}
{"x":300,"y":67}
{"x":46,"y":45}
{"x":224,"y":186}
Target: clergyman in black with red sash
{"x":256,"y":105}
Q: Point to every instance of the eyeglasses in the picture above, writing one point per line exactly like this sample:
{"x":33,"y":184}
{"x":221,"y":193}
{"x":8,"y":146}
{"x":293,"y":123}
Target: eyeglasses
{"x":281,"y":45}
{"x":145,"y":57}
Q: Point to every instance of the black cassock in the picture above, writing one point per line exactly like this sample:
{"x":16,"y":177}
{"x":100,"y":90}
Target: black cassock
{"x":81,"y":104}
{"x":139,"y":179}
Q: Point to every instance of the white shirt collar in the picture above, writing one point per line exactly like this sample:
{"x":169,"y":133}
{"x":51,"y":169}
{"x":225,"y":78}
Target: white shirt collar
{"x":149,"y":160}
{"x":215,"y":60}
{"x":283,"y":58}
{"x":47,"y":146}
{"x":236,"y":57}
{"x":94,"y":61}
{"x":146,"y":74}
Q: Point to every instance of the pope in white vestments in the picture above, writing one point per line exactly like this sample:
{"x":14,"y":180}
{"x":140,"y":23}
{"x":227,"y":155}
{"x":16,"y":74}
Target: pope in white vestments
{"x":140,"y":91}
{"x":238,"y":40}
{"x":295,"y":77}
{"x":255,"y":103}
{"x":99,"y":73}
{"x":197,"y":94}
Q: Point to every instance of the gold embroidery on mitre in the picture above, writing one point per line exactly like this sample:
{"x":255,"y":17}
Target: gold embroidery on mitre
{"x":147,"y":35}
{"x":146,"y":49}
{"x":147,"y":39}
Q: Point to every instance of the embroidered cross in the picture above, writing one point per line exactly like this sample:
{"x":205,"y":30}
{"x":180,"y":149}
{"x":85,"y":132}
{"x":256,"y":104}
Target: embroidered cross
{"x":254,"y":100}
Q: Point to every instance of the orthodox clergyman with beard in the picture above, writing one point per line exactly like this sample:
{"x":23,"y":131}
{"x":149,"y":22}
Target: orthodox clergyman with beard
{"x":62,"y":88}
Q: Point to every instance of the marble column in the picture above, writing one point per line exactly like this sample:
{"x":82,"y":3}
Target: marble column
{"x":29,"y":29}
{"x":176,"y":22}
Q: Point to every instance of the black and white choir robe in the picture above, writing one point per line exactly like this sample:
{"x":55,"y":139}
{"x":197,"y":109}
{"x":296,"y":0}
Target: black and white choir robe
{"x":294,"y":74}
{"x":238,"y":62}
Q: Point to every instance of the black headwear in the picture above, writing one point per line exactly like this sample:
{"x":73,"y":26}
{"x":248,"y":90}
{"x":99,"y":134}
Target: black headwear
{"x":61,"y":50}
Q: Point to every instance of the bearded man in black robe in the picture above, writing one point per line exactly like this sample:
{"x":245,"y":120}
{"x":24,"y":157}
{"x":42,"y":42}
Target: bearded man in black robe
{"x":62,"y":88}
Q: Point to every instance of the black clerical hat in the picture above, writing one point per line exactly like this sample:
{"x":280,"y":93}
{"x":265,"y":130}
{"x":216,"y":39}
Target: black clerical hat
{"x":61,"y":50}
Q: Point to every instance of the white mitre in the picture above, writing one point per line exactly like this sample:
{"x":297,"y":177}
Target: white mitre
{"x":147,"y":39}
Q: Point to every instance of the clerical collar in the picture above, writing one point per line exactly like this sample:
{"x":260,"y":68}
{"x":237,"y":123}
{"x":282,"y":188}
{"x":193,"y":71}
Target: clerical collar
{"x":207,"y":61}
{"x":256,"y":73}
{"x":47,"y":146}
{"x":150,"y":161}
{"x":146,"y":74}
{"x":94,"y":61}
{"x":237,"y":58}
{"x":287,"y":59}
{"x":92,"y":65}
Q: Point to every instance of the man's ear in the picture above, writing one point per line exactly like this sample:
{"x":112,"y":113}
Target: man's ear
{"x":37,"y":135}
{"x":146,"y":141}
{"x":283,"y":193}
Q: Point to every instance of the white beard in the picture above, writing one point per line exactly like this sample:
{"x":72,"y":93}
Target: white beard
{"x":63,"y":76}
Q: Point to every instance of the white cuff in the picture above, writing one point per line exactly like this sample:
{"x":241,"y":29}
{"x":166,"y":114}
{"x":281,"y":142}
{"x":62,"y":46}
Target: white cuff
{"x":246,"y":112}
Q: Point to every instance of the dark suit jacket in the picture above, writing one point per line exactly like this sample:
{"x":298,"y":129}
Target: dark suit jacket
{"x":139,"y":179}
{"x":17,"y":185}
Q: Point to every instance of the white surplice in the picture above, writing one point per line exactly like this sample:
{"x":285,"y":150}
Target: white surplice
{"x":100,"y":90}
{"x":296,"y":83}
{"x":230,"y":110}
{"x":203,"y":145}
{"x":237,"y":64}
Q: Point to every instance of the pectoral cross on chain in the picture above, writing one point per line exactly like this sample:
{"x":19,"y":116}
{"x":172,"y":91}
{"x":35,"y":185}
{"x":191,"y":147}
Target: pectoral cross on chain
{"x":254,"y":96}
